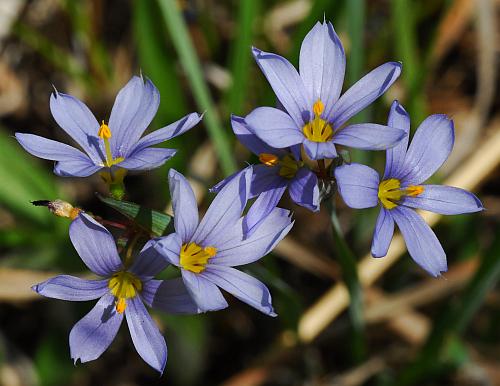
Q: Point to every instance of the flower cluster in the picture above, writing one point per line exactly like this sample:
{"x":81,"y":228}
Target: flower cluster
{"x":295,"y":143}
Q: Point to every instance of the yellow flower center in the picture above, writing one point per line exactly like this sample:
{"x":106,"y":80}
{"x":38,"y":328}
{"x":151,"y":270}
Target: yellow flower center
{"x":318,"y":130}
{"x":105,"y":134}
{"x":123,"y":286}
{"x":288,"y":165}
{"x":194,"y":258}
{"x":390,"y":192}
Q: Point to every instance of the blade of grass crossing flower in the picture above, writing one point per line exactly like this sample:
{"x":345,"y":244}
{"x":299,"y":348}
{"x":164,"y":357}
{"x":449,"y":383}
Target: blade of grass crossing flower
{"x":176,"y":26}
{"x":347,"y":262}
{"x":241,"y":58}
{"x":453,"y":321}
{"x":403,"y":16}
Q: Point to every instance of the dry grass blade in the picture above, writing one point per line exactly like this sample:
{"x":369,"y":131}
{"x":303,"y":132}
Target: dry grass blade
{"x":15,"y":284}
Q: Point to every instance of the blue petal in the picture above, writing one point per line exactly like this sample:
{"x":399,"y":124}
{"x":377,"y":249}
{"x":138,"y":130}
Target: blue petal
{"x":260,"y":209}
{"x":93,"y":334}
{"x":135,"y":107}
{"x":147,"y":339}
{"x":322,"y":63}
{"x":287,"y":85}
{"x":358,"y":185}
{"x":384,"y":230}
{"x":82,"y":167}
{"x":430,"y":147}
{"x":78,"y":121}
{"x":237,"y":249}
{"x":274,"y":127}
{"x":368,"y":136}
{"x":244,"y":287}
{"x":395,"y":156}
{"x":170,"y":296}
{"x":320,"y":150}
{"x":422,"y":243}
{"x":224,"y":211}
{"x":184,"y":204}
{"x":444,"y":200}
{"x":303,"y":189}
{"x":95,"y":245}
{"x":149,"y":262}
{"x":363,"y":93}
{"x":204,"y":293}
{"x":169,"y":247}
{"x":147,"y":159}
{"x":48,"y":149}
{"x":66,"y":287}
{"x":173,"y":130}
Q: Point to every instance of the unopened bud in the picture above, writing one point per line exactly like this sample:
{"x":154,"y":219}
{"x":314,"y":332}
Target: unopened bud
{"x":59,"y":207}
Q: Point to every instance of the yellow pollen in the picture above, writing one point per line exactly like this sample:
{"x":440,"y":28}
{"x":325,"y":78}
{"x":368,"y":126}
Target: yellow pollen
{"x":390,"y":192}
{"x":123,"y":286}
{"x":104,"y":131}
{"x":268,"y":159}
{"x":194,"y":258}
{"x":318,"y":108}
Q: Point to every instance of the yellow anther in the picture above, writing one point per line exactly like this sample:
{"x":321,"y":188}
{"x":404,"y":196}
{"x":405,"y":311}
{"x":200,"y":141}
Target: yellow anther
{"x":318,"y":108}
{"x":268,"y":159}
{"x":289,"y":167}
{"x":390,"y":192}
{"x":104,"y":131}
{"x":318,"y":130}
{"x":194,"y":258}
{"x":123,"y":286}
{"x":414,"y":190}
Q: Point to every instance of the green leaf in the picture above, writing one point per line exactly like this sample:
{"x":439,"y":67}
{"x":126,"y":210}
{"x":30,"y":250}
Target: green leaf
{"x":189,"y":60}
{"x":151,"y":221}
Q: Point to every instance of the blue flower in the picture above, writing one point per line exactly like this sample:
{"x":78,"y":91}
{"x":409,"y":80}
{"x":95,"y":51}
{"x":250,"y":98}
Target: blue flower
{"x":206,"y":251}
{"x":110,"y":148}
{"x":280,"y":169}
{"x":402,"y":190}
{"x":121,"y":293}
{"x":315,"y":115}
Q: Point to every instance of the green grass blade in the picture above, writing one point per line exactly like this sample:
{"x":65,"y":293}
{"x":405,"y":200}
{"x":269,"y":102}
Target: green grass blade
{"x":182,"y":42}
{"x":241,"y":58}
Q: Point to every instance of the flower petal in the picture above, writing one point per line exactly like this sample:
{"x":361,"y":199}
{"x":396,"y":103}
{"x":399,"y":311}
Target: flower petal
{"x":147,"y":159}
{"x":237,"y":249}
{"x":384,"y":230}
{"x":274,"y":127}
{"x":149,"y":262}
{"x":48,"y":149}
{"x":244,"y":287}
{"x":204,"y":293}
{"x":444,"y":200}
{"x":66,"y":287}
{"x":250,"y":140}
{"x":320,"y":150}
{"x":358,"y":185}
{"x":368,"y":136}
{"x":169,"y":247}
{"x":224,"y":211}
{"x":75,"y":118}
{"x":363,"y":93}
{"x":322,"y":63}
{"x":184,"y":204}
{"x":93,"y":334}
{"x":95,"y":245}
{"x":422,"y":243}
{"x":82,"y":167}
{"x":148,"y":341}
{"x":303,"y":189}
{"x":260,"y":209}
{"x":286,"y":84}
{"x":395,"y":156}
{"x":173,"y":130}
{"x":135,"y":107}
{"x":170,"y":296}
{"x":430,"y":147}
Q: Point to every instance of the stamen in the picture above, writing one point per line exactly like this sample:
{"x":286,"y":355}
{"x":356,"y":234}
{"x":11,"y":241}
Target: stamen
{"x":268,"y":159}
{"x":414,"y":190}
{"x":123,"y":286}
{"x":289,"y":167}
{"x":318,"y":108}
{"x":194,"y":258}
{"x":390,"y":192}
{"x":318,"y":130}
{"x":105,"y":134}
